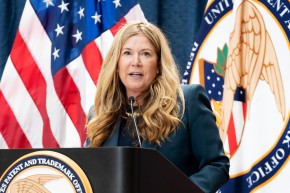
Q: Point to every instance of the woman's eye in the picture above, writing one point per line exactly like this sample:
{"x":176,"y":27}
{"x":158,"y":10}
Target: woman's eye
{"x":146,"y":53}
{"x":126,"y":53}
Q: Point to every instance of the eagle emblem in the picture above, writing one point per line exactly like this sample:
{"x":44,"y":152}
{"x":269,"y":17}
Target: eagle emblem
{"x":251,"y":57}
{"x":34,"y":183}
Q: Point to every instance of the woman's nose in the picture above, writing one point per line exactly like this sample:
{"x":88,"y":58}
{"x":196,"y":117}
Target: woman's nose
{"x":136,"y":59}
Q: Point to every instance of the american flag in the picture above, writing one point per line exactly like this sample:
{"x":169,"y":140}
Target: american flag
{"x":50,"y":77}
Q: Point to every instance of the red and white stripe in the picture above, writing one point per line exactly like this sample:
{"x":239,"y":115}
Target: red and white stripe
{"x":236,"y":127}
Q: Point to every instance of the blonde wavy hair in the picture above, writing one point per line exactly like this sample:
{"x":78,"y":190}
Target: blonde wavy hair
{"x":163,"y":102}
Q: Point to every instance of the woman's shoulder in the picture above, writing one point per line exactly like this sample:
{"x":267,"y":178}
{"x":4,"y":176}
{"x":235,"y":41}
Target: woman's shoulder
{"x":91,"y":113}
{"x":192,"y":88}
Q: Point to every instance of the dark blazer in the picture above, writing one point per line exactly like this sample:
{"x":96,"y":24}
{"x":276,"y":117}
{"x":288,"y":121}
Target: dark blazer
{"x":196,"y":148}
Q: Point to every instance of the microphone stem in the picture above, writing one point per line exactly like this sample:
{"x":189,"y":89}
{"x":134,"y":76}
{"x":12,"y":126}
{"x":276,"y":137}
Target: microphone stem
{"x":134,"y":120}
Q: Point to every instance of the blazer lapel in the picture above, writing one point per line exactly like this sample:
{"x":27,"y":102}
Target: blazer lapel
{"x":114,"y":138}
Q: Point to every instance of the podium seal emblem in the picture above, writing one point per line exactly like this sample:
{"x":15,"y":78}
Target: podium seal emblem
{"x":44,"y":171}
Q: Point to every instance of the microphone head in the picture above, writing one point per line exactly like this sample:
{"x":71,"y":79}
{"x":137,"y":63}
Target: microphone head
{"x":131,"y":99}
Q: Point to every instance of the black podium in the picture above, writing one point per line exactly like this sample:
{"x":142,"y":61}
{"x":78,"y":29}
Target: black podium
{"x":118,"y":169}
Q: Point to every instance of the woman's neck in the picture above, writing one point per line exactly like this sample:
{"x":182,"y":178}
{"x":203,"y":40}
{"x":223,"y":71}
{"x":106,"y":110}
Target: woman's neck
{"x":135,"y":100}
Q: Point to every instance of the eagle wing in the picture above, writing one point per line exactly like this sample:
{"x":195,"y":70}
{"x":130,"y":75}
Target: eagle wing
{"x":26,"y":186}
{"x":43,"y":178}
{"x":271,"y":73}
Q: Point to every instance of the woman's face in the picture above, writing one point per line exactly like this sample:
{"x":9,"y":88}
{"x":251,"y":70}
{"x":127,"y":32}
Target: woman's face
{"x":138,"y":64}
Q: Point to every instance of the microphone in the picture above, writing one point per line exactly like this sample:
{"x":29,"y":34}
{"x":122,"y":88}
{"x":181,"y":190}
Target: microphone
{"x":131,"y":101}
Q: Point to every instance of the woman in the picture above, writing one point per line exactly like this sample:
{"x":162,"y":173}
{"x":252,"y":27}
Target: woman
{"x":173,"y":119}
